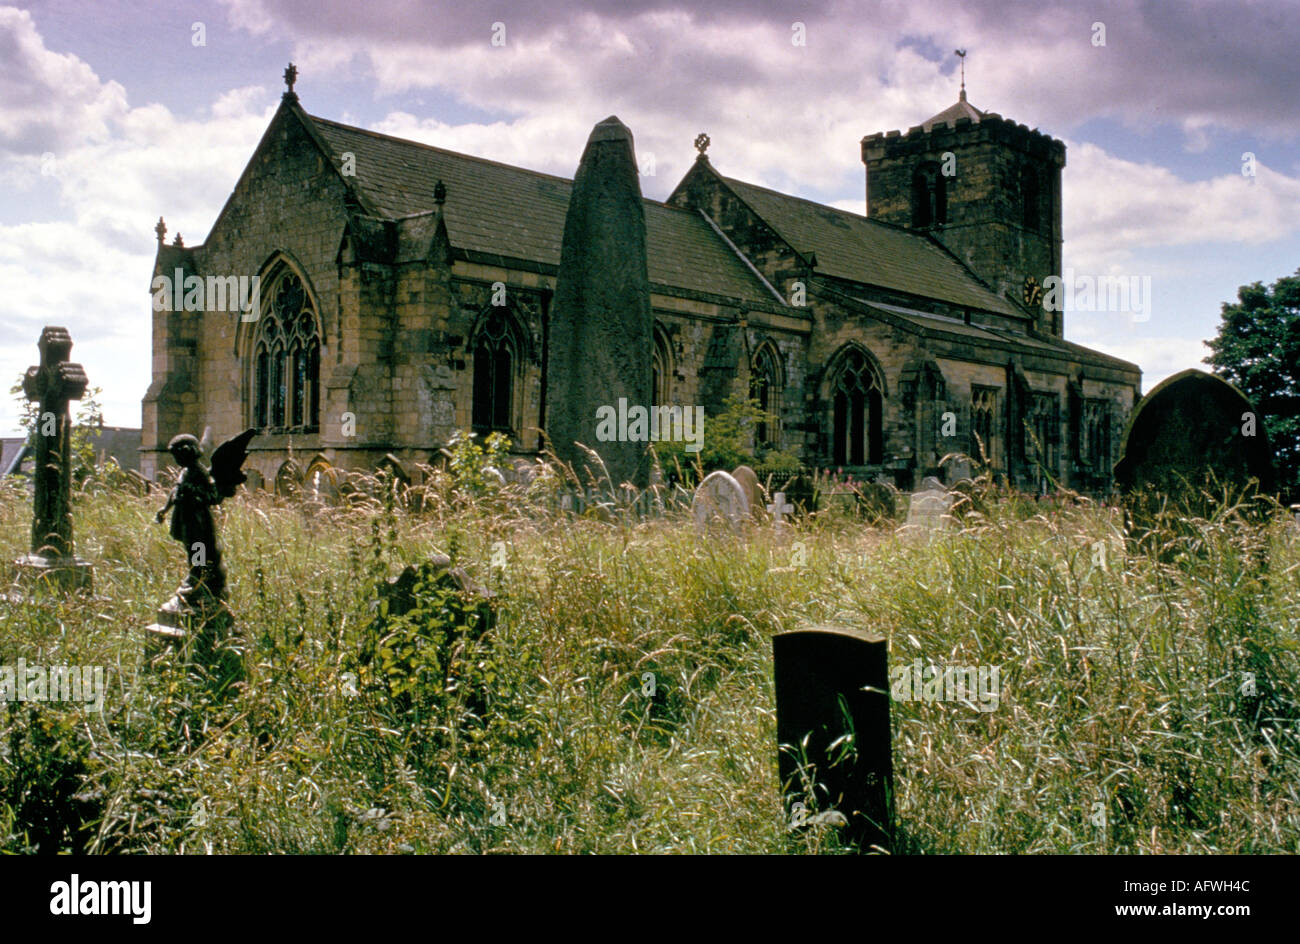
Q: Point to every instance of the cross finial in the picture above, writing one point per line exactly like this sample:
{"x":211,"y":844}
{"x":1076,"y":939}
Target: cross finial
{"x":961,"y":54}
{"x":160,"y":230}
{"x":440,"y":193}
{"x":290,"y":76}
{"x":702,"y":144}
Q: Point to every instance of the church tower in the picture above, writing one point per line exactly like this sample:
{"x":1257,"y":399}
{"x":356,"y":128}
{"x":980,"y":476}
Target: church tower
{"x":985,"y":187}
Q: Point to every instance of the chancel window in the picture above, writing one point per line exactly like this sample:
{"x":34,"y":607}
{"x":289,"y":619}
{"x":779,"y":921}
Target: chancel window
{"x":856,"y":397}
{"x":765,"y":387}
{"x":929,"y":196}
{"x":984,"y":426}
{"x":662,"y":368}
{"x":1045,"y":427}
{"x":286,"y":362}
{"x":1094,"y":438}
{"x":494,"y":365}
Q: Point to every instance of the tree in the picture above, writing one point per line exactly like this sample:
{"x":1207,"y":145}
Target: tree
{"x":1258,"y":351}
{"x":728,"y":442}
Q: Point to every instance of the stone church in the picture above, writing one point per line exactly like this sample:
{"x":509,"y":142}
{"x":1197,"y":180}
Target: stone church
{"x":405,"y":291}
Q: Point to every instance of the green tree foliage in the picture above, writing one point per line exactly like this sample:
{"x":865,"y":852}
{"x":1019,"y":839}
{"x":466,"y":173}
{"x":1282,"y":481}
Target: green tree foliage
{"x":1258,"y":350}
{"x":728,"y":442}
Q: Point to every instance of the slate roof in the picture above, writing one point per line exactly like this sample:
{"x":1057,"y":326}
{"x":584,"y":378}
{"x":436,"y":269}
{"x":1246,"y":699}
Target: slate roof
{"x":853,"y":247}
{"x":512,"y":213}
{"x":1002,"y":336}
{"x":961,"y":109}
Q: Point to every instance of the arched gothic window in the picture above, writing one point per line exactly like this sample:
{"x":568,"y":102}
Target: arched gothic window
{"x":495,"y":357}
{"x":857,"y":398}
{"x":765,"y":386}
{"x":286,"y":362}
{"x":929,"y":196}
{"x":662,"y":367}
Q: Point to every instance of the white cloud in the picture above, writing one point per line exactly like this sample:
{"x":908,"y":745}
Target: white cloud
{"x":1113,"y":207}
{"x":87,"y":265}
{"x":51,"y":101}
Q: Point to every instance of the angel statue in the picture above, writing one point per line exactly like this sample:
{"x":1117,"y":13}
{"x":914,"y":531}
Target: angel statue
{"x":196,"y":492}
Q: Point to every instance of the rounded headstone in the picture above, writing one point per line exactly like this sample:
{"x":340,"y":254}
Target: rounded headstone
{"x":748,"y":480}
{"x":719,"y":498}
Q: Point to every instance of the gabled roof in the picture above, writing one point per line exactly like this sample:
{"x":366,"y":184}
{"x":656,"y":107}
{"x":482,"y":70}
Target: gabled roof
{"x":853,"y":247}
{"x":961,"y":109}
{"x":510,"y":213}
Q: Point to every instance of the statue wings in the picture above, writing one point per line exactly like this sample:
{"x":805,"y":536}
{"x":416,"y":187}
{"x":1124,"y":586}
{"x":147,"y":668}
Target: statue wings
{"x":227,"y":463}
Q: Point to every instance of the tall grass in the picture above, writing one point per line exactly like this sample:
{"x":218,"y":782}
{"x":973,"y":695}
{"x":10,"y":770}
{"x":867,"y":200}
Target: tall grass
{"x":1149,"y":703}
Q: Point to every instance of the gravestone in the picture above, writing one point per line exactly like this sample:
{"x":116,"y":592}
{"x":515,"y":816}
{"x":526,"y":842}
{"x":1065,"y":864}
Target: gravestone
{"x":719,"y":498}
{"x":196,"y":621}
{"x":1191,"y":443}
{"x":600,"y":326}
{"x":823,"y":673}
{"x":53,"y":384}
{"x":1188,"y":427}
{"x":928,"y":509}
{"x":748,"y":480}
{"x":778,"y":510}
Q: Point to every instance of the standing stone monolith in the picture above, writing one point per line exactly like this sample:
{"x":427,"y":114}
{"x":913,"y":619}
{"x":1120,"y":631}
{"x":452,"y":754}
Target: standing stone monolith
{"x":600,"y":331}
{"x":53,"y":384}
{"x":831,"y":682}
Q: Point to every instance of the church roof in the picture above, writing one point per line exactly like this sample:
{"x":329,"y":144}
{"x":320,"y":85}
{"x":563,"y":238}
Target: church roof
{"x":961,"y":109}
{"x":858,"y":249}
{"x":510,"y":213}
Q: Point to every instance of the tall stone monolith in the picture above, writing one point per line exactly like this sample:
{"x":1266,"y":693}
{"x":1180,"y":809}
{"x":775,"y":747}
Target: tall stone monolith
{"x":600,"y":332}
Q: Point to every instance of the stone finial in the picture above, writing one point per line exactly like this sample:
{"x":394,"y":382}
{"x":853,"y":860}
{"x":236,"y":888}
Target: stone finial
{"x":178,"y":242}
{"x":702,"y":143}
{"x":439,"y":193}
{"x":160,"y":230}
{"x":290,"y":76}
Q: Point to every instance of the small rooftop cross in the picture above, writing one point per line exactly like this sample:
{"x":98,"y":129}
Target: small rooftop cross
{"x":53,"y":383}
{"x":290,"y":76}
{"x":780,"y":508}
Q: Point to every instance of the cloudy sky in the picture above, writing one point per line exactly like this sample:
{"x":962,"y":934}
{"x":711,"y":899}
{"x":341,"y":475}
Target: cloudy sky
{"x":113,"y":113}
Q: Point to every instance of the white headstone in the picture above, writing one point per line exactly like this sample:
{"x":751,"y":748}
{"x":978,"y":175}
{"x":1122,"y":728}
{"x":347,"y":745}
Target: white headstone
{"x":779,"y":509}
{"x":719,"y":497}
{"x":928,"y":509}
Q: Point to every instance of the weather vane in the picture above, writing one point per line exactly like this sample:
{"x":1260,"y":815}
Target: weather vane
{"x":961,"y":54}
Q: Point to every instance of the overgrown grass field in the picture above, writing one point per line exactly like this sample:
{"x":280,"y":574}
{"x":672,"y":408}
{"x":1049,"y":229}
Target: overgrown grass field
{"x":1147,"y":705}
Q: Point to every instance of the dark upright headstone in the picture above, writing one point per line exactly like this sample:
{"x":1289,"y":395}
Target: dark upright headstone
{"x":1192,"y":443}
{"x":831,"y":680}
{"x":52,"y":384}
{"x":1191,"y":425}
{"x":599,"y":336}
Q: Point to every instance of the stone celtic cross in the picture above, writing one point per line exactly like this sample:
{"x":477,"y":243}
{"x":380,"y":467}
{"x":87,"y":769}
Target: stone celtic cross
{"x":53,"y":384}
